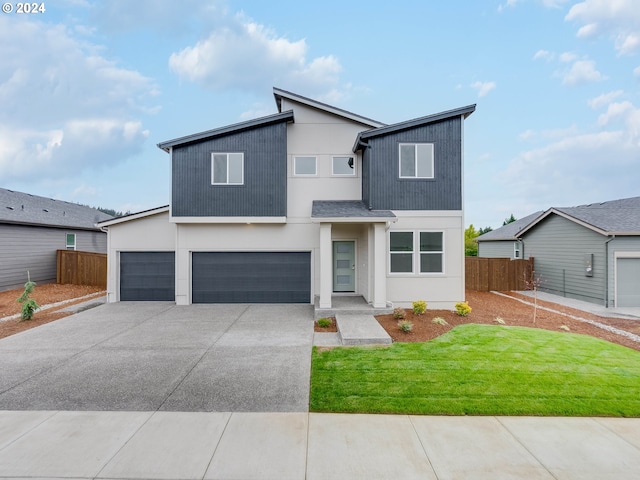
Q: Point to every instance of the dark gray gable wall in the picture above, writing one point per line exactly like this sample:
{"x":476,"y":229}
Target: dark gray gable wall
{"x":382,"y":187}
{"x":264,"y":192}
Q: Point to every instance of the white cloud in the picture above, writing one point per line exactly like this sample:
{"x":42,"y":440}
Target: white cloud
{"x":604,"y":99}
{"x":483,"y":88}
{"x":636,"y":72}
{"x":617,"y":19}
{"x":544,"y":55}
{"x":580,"y":167}
{"x":249,"y":56}
{"x":567,"y":57}
{"x":582,"y":71}
{"x":81,"y":106}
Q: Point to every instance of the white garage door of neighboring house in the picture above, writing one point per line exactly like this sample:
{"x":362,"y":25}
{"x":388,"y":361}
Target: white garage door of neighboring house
{"x":628,"y":282}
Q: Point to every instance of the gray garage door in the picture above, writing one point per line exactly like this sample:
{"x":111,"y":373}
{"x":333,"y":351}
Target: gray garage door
{"x":251,"y":277}
{"x":147,"y":276}
{"x":628,"y":282}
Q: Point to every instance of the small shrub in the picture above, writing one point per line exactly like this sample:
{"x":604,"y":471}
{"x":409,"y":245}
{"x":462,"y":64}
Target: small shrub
{"x":29,"y":305}
{"x":463,"y":309}
{"x":324,"y":322}
{"x":399,"y":313}
{"x":440,"y":321}
{"x":499,"y":320}
{"x":405,"y":325}
{"x":419,"y":307}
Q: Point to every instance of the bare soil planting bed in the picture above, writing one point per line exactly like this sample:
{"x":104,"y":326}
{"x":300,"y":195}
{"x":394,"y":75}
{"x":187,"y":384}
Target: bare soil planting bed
{"x":44,"y":294}
{"x":487,"y":307}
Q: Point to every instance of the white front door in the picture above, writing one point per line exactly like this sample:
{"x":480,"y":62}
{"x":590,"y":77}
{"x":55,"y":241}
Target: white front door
{"x":344,"y":266}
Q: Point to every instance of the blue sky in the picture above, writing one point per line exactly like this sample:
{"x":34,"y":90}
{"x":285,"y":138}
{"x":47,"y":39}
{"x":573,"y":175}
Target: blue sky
{"x":88,"y":89}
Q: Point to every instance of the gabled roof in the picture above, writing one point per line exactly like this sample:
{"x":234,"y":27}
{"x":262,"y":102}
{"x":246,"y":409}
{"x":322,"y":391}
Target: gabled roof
{"x":352,"y":210}
{"x":236,"y":127}
{"x":615,"y":217}
{"x":416,"y":122}
{"x":26,"y":209}
{"x":510,"y":231}
{"x":279,"y":94}
{"x":134,"y":216}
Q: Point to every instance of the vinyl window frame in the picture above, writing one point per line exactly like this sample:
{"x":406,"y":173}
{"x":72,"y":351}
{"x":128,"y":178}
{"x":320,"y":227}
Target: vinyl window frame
{"x":315,"y":163}
{"x":71,"y":245}
{"x":229,"y":157}
{"x":352,"y":173}
{"x":417,"y":254}
{"x":416,"y":160}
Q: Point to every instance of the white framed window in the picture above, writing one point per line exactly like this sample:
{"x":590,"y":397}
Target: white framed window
{"x":416,"y":160}
{"x":401,"y":252}
{"x":227,"y":168}
{"x":516,"y":250}
{"x":71,"y":241}
{"x":343,"y":166}
{"x":304,"y":166}
{"x":431,"y":252}
{"x":416,"y":252}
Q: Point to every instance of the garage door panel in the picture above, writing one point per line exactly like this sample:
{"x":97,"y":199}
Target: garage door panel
{"x":251,"y":277}
{"x":628,"y":282}
{"x":147,"y":276}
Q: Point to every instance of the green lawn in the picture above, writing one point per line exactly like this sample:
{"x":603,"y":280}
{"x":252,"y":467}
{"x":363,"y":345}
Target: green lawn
{"x":481,"y":370}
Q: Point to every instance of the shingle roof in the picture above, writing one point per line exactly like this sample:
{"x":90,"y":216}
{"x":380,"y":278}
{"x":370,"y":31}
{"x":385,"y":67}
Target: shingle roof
{"x":346,"y":209}
{"x":509,"y":231}
{"x":612,"y":217}
{"x":27,"y":209}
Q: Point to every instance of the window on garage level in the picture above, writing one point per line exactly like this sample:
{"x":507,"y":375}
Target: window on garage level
{"x":227,"y":168}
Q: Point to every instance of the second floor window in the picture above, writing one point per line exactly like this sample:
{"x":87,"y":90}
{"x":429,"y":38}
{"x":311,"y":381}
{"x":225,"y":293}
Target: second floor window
{"x":304,"y":166}
{"x":416,"y":160}
{"x":227,"y":168}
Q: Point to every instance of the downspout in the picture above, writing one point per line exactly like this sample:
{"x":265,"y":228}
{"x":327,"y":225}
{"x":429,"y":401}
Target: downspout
{"x":606,"y":271}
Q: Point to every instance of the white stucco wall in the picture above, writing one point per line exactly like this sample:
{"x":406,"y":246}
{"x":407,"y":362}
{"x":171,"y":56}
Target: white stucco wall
{"x":440,"y":290}
{"x":148,"y":234}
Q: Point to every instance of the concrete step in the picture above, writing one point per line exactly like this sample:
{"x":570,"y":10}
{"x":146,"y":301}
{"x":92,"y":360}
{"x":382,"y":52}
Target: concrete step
{"x":356,"y":329}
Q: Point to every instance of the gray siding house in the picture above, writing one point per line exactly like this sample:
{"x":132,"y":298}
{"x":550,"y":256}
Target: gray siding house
{"x":589,"y":252}
{"x":503,"y":242}
{"x":32,"y":228}
{"x":300,"y":206}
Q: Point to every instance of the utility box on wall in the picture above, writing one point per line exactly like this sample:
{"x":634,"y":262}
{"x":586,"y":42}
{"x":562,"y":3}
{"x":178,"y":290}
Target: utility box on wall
{"x":588,"y":265}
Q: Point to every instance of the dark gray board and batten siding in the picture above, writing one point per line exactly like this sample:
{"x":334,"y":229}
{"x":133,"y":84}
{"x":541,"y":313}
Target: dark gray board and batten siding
{"x":382,"y":187}
{"x":559,"y":247}
{"x":264,"y":192}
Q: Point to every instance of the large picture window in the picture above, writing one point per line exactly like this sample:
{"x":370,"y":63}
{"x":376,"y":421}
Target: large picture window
{"x":227,"y":168}
{"x":416,"y":252}
{"x":416,"y":160}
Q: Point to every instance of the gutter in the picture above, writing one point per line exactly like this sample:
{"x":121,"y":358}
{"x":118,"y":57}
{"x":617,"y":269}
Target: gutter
{"x":606,"y":271}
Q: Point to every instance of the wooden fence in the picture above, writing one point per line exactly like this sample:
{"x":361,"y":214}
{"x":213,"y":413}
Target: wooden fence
{"x":82,"y":268}
{"x":498,"y":274}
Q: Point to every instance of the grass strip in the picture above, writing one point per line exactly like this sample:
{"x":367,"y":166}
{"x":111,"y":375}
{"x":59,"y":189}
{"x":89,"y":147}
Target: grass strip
{"x":481,"y":370}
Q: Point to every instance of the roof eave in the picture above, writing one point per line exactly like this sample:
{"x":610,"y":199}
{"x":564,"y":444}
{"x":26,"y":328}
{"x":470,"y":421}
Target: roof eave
{"x":279,"y":94}
{"x":236,"y":127}
{"x":134,"y":216}
{"x":416,"y":122}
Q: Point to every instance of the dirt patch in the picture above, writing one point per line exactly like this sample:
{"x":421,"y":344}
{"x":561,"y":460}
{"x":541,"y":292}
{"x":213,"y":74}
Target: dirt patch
{"x":488,"y":307}
{"x":44,"y":294}
{"x":333,"y":328}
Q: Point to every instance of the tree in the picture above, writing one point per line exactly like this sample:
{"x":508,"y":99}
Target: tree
{"x":470,"y":244}
{"x":509,"y":220}
{"x":484,"y":230}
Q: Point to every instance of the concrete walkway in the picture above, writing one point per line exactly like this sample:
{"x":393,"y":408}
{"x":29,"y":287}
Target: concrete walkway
{"x":220,"y":445}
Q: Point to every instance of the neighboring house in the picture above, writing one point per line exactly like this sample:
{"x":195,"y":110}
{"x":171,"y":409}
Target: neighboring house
{"x":302,"y":205}
{"x":32,"y":228}
{"x":590,"y":252}
{"x":503,"y":242}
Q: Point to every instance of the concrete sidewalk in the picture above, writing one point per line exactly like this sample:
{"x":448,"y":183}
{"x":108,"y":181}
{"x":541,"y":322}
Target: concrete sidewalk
{"x":218,"y":445}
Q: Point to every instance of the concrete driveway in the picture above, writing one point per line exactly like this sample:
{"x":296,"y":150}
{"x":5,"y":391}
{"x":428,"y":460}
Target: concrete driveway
{"x":159,"y":356}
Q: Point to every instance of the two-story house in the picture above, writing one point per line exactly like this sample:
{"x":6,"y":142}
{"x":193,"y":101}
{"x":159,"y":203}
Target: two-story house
{"x":313,"y":201}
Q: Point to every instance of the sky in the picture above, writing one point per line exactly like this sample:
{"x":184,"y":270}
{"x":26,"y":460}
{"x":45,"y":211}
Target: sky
{"x":89,"y":88}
